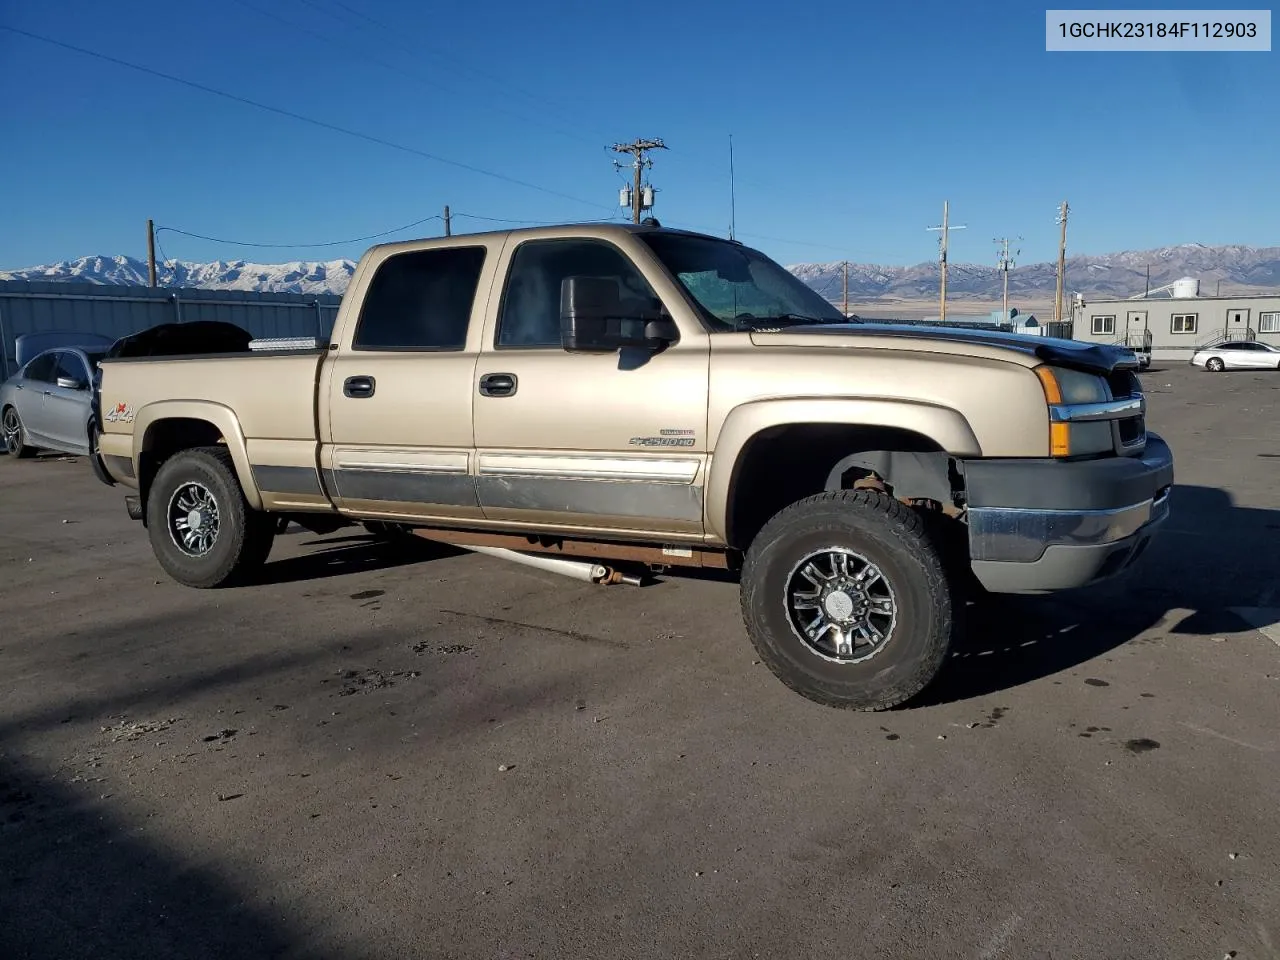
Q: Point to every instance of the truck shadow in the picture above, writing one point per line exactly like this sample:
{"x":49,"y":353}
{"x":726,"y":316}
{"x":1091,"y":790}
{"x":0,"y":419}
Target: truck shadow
{"x":1210,"y":570}
{"x":341,"y":556}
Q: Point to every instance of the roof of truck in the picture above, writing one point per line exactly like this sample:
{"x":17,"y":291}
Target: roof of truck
{"x":587,"y":228}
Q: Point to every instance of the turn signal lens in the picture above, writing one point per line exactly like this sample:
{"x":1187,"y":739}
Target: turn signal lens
{"x":1052,"y":393}
{"x":1059,"y":439}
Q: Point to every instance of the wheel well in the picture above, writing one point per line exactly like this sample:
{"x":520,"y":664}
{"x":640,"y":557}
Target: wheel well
{"x":164,"y":438}
{"x":781,"y":465}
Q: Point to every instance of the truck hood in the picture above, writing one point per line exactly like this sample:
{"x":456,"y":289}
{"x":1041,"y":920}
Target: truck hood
{"x":1094,"y":357}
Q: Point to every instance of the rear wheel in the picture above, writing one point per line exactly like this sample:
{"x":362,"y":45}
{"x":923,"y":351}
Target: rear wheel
{"x":1215,"y":365}
{"x":13,"y":434}
{"x":846,"y":600}
{"x":202,"y":530}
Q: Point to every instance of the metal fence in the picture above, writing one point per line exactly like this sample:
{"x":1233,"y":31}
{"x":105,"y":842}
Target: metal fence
{"x":116,"y":311}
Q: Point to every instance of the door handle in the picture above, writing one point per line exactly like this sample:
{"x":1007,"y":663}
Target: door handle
{"x":498,"y":384}
{"x":357,"y":388}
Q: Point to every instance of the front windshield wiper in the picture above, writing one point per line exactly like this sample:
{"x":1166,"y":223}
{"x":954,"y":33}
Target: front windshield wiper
{"x":789,"y":320}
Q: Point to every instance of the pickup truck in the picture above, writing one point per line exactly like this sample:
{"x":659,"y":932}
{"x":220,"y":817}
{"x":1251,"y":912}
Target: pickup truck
{"x":648,"y":396}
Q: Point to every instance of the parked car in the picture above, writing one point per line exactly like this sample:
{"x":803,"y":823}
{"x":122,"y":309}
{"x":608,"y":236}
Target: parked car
{"x":1238,"y":355}
{"x":654,"y":396}
{"x":47,"y":404}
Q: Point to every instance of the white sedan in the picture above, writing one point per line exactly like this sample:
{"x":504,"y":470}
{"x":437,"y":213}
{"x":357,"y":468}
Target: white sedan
{"x":1238,"y":355}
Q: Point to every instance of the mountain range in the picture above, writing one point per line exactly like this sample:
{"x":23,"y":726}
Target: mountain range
{"x":1240,"y":270}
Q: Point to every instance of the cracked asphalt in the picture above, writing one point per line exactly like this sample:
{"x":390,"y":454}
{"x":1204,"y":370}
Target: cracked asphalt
{"x":380,"y":753}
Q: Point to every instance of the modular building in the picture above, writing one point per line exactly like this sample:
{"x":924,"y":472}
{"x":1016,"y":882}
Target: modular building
{"x":1173,"y":327}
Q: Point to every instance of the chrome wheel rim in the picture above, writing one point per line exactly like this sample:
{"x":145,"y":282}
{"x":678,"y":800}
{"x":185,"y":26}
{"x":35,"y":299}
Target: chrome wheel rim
{"x":840,"y":605}
{"x":193,"y":519}
{"x":12,"y":431}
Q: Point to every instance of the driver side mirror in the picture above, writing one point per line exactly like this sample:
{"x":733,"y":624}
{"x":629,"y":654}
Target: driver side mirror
{"x":71,"y":383}
{"x":593,"y":318}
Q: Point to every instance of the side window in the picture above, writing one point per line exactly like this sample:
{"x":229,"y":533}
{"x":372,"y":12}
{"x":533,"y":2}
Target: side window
{"x":70,"y":365}
{"x":42,"y":368}
{"x":530,"y":313}
{"x":420,"y":301}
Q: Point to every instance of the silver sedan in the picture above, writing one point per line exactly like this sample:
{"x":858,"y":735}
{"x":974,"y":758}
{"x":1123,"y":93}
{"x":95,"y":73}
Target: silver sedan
{"x":47,"y":405}
{"x":1238,"y":355}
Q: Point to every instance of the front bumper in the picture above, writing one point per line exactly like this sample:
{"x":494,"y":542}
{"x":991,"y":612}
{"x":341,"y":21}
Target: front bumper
{"x":1037,"y":526}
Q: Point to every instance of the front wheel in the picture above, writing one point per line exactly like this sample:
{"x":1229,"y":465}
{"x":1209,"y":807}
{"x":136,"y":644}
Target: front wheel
{"x":1215,"y":365}
{"x":846,"y":600}
{"x":13,"y":434}
{"x":202,"y":530}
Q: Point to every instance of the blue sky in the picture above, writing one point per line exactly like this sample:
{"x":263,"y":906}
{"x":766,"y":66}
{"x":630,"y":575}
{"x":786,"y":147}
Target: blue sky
{"x":851,"y":124}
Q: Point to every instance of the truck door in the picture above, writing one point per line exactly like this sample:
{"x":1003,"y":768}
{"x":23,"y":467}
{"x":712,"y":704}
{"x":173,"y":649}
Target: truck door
{"x":396,"y":394}
{"x":601,"y":442}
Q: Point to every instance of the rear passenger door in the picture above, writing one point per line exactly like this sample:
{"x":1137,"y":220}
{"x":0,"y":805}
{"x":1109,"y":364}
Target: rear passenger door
{"x":396,"y":392}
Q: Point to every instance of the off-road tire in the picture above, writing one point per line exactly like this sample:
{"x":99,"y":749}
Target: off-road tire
{"x":244,"y":535}
{"x":893,"y":537}
{"x":23,"y":450}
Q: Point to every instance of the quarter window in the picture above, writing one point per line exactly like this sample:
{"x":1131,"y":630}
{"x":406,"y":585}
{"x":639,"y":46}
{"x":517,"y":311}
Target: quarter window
{"x":530,"y":312}
{"x":1184,"y":323}
{"x":1269,"y":322}
{"x":421,"y":301}
{"x":1104,"y":326}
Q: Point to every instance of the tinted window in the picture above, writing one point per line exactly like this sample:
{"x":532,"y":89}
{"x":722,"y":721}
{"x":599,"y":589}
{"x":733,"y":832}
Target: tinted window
{"x":42,"y":368}
{"x":530,"y":315}
{"x":70,"y":365}
{"x":421,"y":301}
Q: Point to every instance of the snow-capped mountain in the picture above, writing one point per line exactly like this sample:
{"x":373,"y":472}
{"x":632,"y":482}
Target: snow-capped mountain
{"x":1241,"y":270}
{"x":297,"y":276}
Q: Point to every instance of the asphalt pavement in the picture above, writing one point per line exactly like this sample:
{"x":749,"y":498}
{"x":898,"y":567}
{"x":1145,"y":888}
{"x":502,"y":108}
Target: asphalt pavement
{"x":380,"y":753}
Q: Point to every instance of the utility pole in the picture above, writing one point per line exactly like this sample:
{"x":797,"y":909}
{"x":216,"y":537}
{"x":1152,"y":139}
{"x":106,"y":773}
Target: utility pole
{"x":639,"y":151}
{"x":733,"y":206}
{"x":1005,"y":262}
{"x":942,"y":260}
{"x":846,"y":288}
{"x":1148,"y":291}
{"x":151,"y":252}
{"x":448,"y":222}
{"x":1062,"y":261}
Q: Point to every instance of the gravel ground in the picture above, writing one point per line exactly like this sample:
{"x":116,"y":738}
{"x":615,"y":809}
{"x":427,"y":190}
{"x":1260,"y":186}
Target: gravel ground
{"x":381,"y":754}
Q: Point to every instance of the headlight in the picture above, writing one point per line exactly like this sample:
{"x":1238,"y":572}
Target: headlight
{"x":1071,"y":386}
{"x":1063,"y":386}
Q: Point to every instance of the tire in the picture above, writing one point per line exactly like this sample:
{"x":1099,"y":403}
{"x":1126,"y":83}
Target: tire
{"x":240,"y":537}
{"x":13,"y":432}
{"x":866,"y":527}
{"x":1214,"y":365}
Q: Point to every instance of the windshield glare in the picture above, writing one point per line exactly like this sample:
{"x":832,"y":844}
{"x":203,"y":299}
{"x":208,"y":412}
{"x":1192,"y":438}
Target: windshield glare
{"x":737,"y":287}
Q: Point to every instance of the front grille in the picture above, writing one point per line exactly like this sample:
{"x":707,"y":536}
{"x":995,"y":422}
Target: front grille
{"x":1124,"y":383}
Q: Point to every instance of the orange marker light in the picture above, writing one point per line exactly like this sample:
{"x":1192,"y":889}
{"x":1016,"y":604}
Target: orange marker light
{"x":1059,"y":439}
{"x":1052,"y":392}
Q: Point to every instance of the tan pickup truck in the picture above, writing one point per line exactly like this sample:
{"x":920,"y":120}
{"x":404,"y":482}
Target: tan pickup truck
{"x":646,"y":396}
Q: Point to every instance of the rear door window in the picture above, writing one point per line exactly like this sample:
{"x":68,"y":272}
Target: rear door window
{"x":420,"y":301}
{"x":42,"y":368}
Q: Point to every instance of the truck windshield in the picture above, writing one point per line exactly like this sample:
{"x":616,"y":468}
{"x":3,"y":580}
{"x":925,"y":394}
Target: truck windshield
{"x":736,"y":287}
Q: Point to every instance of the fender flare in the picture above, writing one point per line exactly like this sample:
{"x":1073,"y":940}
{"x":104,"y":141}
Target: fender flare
{"x":217,"y":414}
{"x":944,"y":426}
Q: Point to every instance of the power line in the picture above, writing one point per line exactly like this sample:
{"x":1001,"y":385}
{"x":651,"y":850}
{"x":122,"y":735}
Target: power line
{"x":417,"y":52}
{"x":529,"y":223}
{"x":394,"y":68}
{"x":325,"y":125}
{"x":299,"y":246}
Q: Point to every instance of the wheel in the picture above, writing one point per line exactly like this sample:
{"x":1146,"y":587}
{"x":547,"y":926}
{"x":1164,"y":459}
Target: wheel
{"x":12,"y":432}
{"x":1214,"y":365}
{"x":846,"y":600}
{"x":201,"y":527}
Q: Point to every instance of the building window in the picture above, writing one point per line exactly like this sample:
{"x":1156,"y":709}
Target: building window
{"x":1104,"y":326}
{"x":1269,"y":322}
{"x":1183,"y":323}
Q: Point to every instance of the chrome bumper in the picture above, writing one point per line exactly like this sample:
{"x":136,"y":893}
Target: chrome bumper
{"x":1023,"y":535}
